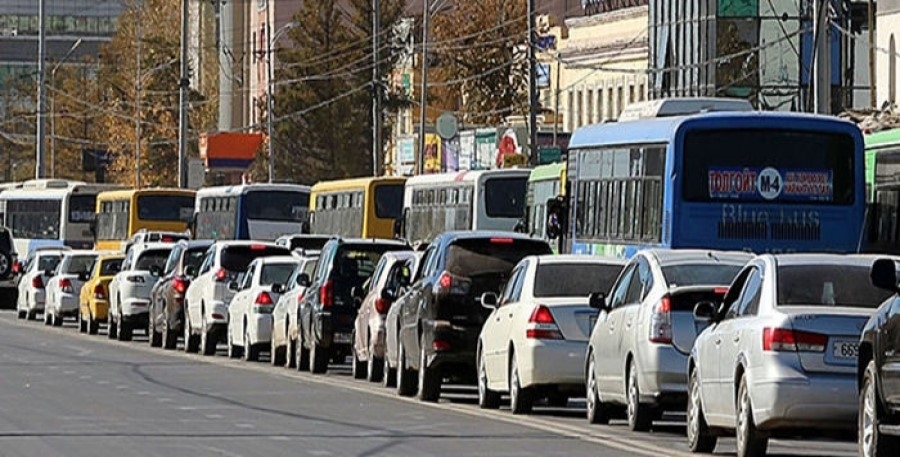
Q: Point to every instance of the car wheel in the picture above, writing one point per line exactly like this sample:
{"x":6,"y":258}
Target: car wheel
{"x":699,"y":437}
{"x":521,"y":399}
{"x":47,"y":318}
{"x":251,"y":351}
{"x":22,"y":314}
{"x":872,"y":443}
{"x":290,"y":353}
{"x":389,"y":374}
{"x":125,"y":330}
{"x":597,"y":411}
{"x":406,"y":378}
{"x":169,"y":338}
{"x":112,"y":330}
{"x":82,"y":323}
{"x":487,"y":398}
{"x":277,"y":354}
{"x":429,"y":379}
{"x":358,"y":370}
{"x":154,"y":337}
{"x":234,"y":351}
{"x":57,"y":320}
{"x":208,"y":339}
{"x":639,"y":416}
{"x":93,"y":325}
{"x":318,"y":358}
{"x":374,"y":368}
{"x":302,"y":362}
{"x":750,"y":441}
{"x":191,"y":341}
{"x":31,"y":315}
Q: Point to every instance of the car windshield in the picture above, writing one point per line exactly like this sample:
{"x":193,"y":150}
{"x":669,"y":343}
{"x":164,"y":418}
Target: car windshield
{"x":700,"y":274}
{"x":574,"y":279}
{"x":148,"y":259}
{"x":276,"y":273}
{"x":828,"y":285}
{"x":79,"y":264}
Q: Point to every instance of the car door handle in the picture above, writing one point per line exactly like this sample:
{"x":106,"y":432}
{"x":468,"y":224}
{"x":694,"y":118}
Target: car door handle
{"x":628,"y":323}
{"x":510,"y":315}
{"x":718,"y":341}
{"x":736,"y":339}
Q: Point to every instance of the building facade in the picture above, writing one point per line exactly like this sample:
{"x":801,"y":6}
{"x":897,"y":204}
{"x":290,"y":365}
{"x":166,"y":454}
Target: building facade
{"x":887,"y":32}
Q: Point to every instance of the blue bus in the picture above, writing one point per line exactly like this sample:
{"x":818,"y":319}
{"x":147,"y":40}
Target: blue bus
{"x":752,"y":181}
{"x":251,"y":212}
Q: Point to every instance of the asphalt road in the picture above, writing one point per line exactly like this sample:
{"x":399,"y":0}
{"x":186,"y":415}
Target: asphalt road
{"x":67,"y":394}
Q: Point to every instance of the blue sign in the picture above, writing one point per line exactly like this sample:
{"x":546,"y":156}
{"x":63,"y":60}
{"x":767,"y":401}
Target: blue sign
{"x":769,"y":184}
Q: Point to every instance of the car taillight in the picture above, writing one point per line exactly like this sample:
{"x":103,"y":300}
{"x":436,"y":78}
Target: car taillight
{"x":180,"y":285}
{"x":440,"y":345}
{"x":221,"y":275}
{"x":382,"y":305}
{"x":497,"y":240}
{"x":167,"y":239}
{"x":782,"y":339}
{"x":326,"y":293}
{"x":542,"y":325}
{"x":66,"y":286}
{"x":450,"y":284}
{"x":263,"y":299}
{"x":257,"y":247}
{"x":37,"y":282}
{"x":99,"y":292}
{"x":16,"y":268}
{"x":661,"y":322}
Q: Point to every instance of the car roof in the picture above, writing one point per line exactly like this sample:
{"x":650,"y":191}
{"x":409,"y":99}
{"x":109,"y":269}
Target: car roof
{"x":75,"y":252}
{"x":110,"y":255}
{"x":382,"y":241}
{"x":550,"y":259}
{"x":670,"y":256}
{"x":477,"y":234}
{"x":277,"y":259}
{"x":865,"y":260}
{"x":399,"y":255}
{"x":229,"y":243}
{"x":194,"y":244}
{"x":153,"y":246}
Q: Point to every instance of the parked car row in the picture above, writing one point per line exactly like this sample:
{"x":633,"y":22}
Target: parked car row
{"x":756,"y":347}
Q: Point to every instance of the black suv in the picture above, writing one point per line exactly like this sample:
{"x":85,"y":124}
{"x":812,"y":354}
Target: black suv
{"x":879,"y":380}
{"x":441,"y":317}
{"x":9,"y":270}
{"x":167,"y":297}
{"x":328,"y":310}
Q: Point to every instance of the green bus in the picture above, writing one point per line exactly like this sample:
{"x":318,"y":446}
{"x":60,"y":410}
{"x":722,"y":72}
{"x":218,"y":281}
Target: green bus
{"x":883,"y":190}
{"x":544,"y":183}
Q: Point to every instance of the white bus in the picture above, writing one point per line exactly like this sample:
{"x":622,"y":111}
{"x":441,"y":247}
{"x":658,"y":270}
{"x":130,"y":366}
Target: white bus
{"x":251,"y":212}
{"x":467,"y":200}
{"x":51,"y":212}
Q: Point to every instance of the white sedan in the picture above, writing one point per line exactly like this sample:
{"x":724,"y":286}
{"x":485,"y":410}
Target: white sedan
{"x":37,"y":271}
{"x":63,"y":290}
{"x":250,"y":311}
{"x":533,"y":343}
{"x":129,"y":290}
{"x":780,"y":352}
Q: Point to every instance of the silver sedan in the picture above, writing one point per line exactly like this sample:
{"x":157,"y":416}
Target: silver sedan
{"x":780,"y":352}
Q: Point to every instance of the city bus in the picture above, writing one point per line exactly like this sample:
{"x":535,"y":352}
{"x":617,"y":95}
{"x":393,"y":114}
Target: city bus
{"x":357,"y":207}
{"x":122,"y":213}
{"x":465,"y":200}
{"x":883,"y":190}
{"x":545,"y":182}
{"x":251,"y":211}
{"x":51,"y":212}
{"x":753,"y":181}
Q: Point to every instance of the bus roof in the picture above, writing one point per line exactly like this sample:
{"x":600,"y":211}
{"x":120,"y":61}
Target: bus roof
{"x":546,"y":172}
{"x":355,"y":183}
{"x":464,"y":176}
{"x":56,"y":192}
{"x":680,"y":106}
{"x":883,"y":139}
{"x":662,"y":130}
{"x":244,"y":188}
{"x":128,"y":193}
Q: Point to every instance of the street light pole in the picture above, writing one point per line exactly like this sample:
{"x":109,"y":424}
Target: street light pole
{"x":270,"y":88}
{"x":424,"y":102}
{"x":53,"y":108}
{"x":137,"y":120}
{"x":183,"y":85}
{"x":42,"y":92}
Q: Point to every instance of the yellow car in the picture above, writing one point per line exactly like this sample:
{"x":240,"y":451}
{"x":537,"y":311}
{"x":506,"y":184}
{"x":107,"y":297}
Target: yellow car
{"x":94,"y":294}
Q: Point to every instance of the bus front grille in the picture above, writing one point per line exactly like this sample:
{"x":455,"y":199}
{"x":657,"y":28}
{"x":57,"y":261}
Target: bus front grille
{"x":742,"y":230}
{"x":802,"y":231}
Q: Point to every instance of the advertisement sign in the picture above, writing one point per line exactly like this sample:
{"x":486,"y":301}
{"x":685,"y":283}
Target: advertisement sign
{"x":432,"y":153}
{"x":406,"y":160}
{"x":769,"y":183}
{"x":450,"y":149}
{"x":485,"y":145}
{"x":467,"y":150}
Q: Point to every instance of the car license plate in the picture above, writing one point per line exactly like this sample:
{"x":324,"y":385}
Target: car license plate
{"x":845,"y":349}
{"x":341,"y":337}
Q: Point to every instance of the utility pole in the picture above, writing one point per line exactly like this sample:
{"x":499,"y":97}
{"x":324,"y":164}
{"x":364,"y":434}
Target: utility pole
{"x":532,"y":85}
{"x":873,"y":94}
{"x":183,"y":85}
{"x":822,"y":58}
{"x":377,"y":148}
{"x":421,"y":155}
{"x":270,"y":93}
{"x":137,"y":117}
{"x":42,"y":92}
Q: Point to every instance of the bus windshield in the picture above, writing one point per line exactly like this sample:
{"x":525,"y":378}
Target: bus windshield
{"x":768,"y":165}
{"x":276,"y":205}
{"x":389,"y":201}
{"x":82,"y":208}
{"x":505,"y":197}
{"x":165,"y":207}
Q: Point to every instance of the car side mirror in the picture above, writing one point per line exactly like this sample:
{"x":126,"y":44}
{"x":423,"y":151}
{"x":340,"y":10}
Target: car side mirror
{"x":278,"y":288}
{"x":48,"y":273}
{"x":883,"y":274}
{"x":233,"y":285}
{"x":356,"y":291}
{"x":706,"y":311}
{"x":489,"y":300}
{"x":389,"y":293}
{"x":190,"y":271}
{"x":84,"y":276}
{"x":303,"y":280}
{"x":597,"y":300}
{"x":155,"y":271}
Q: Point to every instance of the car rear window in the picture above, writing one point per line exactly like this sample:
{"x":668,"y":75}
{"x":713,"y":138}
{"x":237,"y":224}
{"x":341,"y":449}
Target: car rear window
{"x":308,"y":242}
{"x":237,"y":258}
{"x":48,"y":262}
{"x":276,"y":273}
{"x":194,"y":257}
{"x":79,"y":264}
{"x":110,"y":267}
{"x":478,"y":256}
{"x":573,"y":279}
{"x":150,"y":258}
{"x":700,"y":274}
{"x":360,"y":260}
{"x":828,"y":285}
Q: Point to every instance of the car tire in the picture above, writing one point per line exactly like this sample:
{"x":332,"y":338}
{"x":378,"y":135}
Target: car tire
{"x":487,"y":398}
{"x":93,"y":325}
{"x":153,"y":337}
{"x":871,"y":442}
{"x":169,"y":338}
{"x":406,"y":377}
{"x":277,"y":354}
{"x":191,"y":341}
{"x":318,"y":359}
{"x":31,"y":315}
{"x":47,"y":318}
{"x":82,"y":324}
{"x":208,"y":341}
{"x":521,"y":399}
{"x":22,"y":314}
{"x":429,"y":380}
{"x":700,"y":439}
{"x":57,"y":320}
{"x":597,"y":410}
{"x":750,"y":441}
{"x":302,"y":362}
{"x":125,"y":331}
{"x":251,"y":351}
{"x":234,"y":351}
{"x":290,"y":353}
{"x":112,"y":330}
{"x":5,"y":265}
{"x":358,"y":369}
{"x":640,"y":417}
{"x":374,"y":368}
{"x":389,"y":374}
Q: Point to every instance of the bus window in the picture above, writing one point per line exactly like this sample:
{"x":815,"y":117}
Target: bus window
{"x":82,"y":207}
{"x":165,"y":207}
{"x":505,"y":197}
{"x":389,"y":201}
{"x":276,"y":206}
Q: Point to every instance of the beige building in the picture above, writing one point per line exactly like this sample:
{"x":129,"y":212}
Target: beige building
{"x":599,"y":66}
{"x":887,"y":34}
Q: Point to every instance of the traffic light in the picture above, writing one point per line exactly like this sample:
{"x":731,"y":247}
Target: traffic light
{"x":557,"y":216}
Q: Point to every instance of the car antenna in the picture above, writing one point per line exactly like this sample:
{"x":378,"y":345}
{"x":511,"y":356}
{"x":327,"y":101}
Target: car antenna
{"x":712,"y":256}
